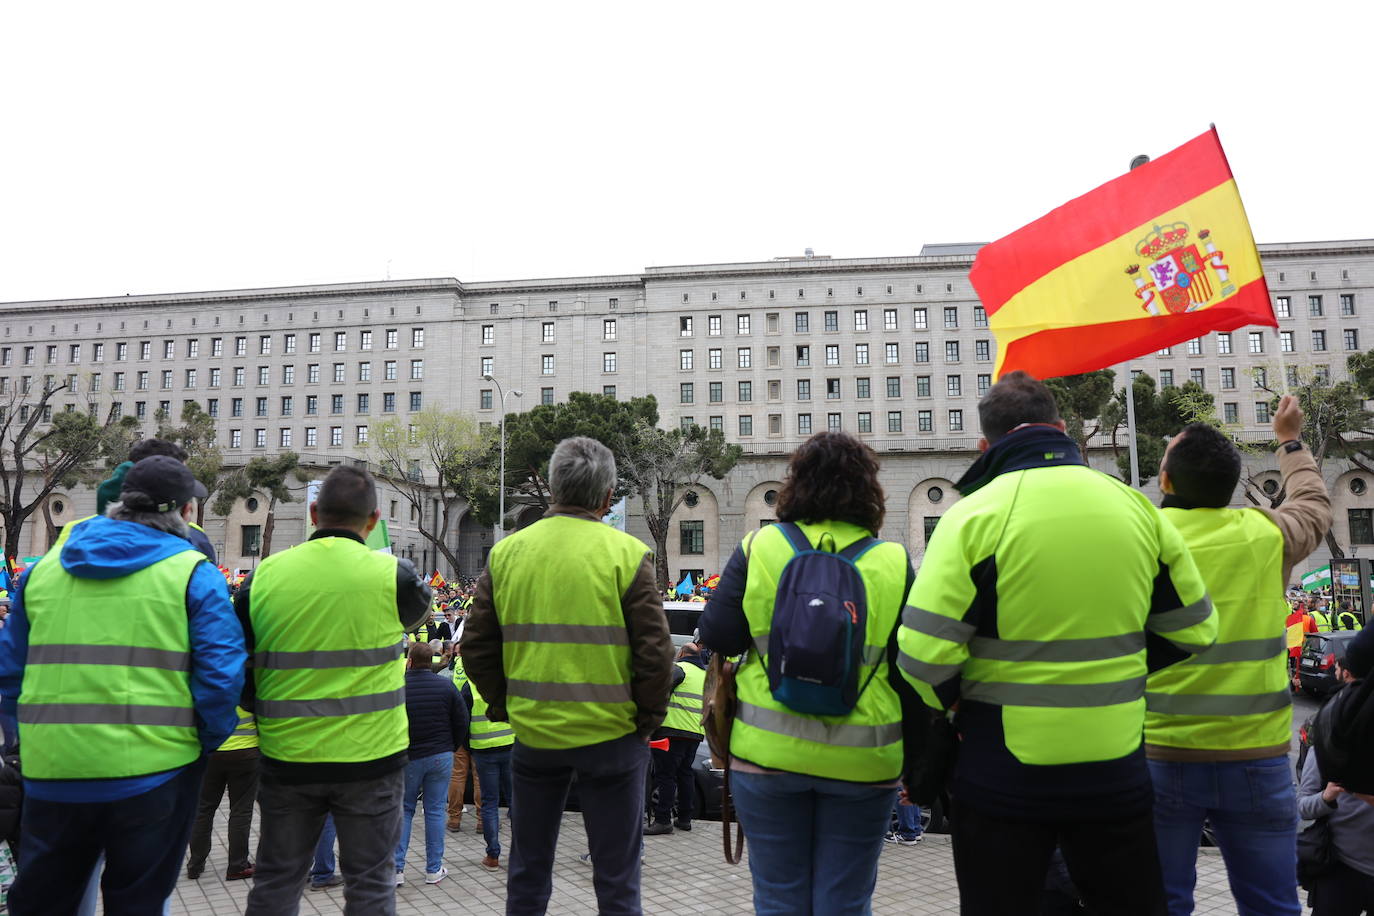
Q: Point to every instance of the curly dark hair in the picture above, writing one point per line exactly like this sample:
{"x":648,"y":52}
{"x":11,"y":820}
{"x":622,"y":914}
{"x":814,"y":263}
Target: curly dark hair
{"x":833,"y":477}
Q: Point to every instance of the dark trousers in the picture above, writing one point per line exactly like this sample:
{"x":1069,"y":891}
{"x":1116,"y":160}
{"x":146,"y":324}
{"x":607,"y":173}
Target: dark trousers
{"x":143,"y":838}
{"x":367,"y":816}
{"x":610,"y":786}
{"x":674,"y":781}
{"x":1001,"y":864}
{"x":236,"y":771}
{"x":1343,"y":891}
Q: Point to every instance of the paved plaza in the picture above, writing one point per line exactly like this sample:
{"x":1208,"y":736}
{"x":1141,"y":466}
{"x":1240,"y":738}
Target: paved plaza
{"x":683,"y":873}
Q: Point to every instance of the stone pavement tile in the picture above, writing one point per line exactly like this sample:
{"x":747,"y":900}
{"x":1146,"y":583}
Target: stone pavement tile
{"x":684,"y":873}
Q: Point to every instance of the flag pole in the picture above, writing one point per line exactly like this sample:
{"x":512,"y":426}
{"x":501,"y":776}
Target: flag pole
{"x":1130,"y":426}
{"x":1283,"y":364}
{"x":1136,"y":162}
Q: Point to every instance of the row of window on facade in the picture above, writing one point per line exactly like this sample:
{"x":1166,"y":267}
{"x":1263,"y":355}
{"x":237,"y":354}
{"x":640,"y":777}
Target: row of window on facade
{"x":214,"y":376}
{"x":1255,"y":342}
{"x":286,"y":437}
{"x":806,"y":423}
{"x":802,"y":355}
{"x":833,"y":390}
{"x":773,"y":323}
{"x":1316,"y":308}
{"x":314,"y":344}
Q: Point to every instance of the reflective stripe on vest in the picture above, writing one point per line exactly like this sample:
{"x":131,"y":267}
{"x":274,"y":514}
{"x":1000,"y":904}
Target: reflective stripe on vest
{"x":328,"y":692}
{"x":245,"y":733}
{"x":557,"y":588}
{"x":864,"y":746}
{"x":1235,"y":695}
{"x":485,"y":734}
{"x":92,"y":705}
{"x":684,"y":704}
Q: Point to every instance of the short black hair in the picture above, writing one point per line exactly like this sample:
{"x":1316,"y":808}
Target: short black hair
{"x":147,"y":448}
{"x":1203,"y":466}
{"x":1017,"y":398}
{"x":348,"y":497}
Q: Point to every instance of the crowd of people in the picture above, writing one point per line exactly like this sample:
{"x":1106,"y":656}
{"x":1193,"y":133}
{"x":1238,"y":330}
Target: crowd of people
{"x":1088,"y":677}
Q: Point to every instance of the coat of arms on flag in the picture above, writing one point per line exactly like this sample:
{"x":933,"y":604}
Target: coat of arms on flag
{"x":1177,"y":274}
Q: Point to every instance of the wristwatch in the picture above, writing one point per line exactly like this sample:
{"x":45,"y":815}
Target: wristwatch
{"x":1292,"y":445}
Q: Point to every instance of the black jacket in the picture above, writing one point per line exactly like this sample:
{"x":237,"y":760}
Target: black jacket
{"x":438,"y":716}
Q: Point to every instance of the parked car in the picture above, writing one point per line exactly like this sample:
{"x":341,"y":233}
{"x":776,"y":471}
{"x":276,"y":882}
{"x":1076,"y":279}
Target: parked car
{"x":1317,"y":666}
{"x":683,"y":619}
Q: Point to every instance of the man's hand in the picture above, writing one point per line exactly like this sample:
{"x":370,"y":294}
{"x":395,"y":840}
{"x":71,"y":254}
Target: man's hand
{"x":1332,"y":791}
{"x":1288,"y":419}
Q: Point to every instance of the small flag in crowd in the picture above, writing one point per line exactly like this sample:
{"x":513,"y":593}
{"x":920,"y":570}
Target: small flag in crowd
{"x":685,"y":586}
{"x":1158,"y":256}
{"x":437,"y":580}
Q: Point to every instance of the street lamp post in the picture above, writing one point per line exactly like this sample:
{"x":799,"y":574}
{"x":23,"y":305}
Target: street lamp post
{"x":501,"y":484}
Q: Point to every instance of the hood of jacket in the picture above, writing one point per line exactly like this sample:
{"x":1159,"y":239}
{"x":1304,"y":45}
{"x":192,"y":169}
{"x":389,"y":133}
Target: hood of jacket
{"x":103,"y":548}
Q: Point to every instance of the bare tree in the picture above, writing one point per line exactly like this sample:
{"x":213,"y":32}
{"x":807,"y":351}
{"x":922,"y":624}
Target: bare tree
{"x":42,"y":450}
{"x":439,"y":455}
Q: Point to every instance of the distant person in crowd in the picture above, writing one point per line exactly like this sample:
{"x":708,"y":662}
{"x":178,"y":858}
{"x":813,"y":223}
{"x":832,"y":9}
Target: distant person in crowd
{"x":1219,"y":722}
{"x":324,"y":622}
{"x":907,"y":829}
{"x":814,"y":794}
{"x":234,"y":766}
{"x":673,"y":774}
{"x":1347,"y":889}
{"x":567,"y":641}
{"x":438,"y":726}
{"x":1036,"y":599}
{"x":123,"y":662}
{"x":490,"y":743}
{"x":322,"y":876}
{"x":462,"y":763}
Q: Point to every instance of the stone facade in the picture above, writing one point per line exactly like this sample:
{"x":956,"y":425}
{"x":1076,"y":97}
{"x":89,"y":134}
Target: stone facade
{"x":894,"y":349}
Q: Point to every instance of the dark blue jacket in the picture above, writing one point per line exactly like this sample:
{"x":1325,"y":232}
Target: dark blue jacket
{"x":438,"y":716}
{"x":102,"y":548}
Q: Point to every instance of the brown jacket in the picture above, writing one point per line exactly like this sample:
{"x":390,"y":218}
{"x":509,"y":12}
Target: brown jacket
{"x":1305,"y":514}
{"x":1303,"y":519}
{"x":651,"y":646}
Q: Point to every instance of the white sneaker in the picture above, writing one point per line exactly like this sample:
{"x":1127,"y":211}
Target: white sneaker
{"x":434,"y":877}
{"x":400,"y":878}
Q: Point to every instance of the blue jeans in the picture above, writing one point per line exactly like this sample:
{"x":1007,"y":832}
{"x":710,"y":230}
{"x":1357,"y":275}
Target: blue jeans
{"x":430,"y":776}
{"x":323,"y":868}
{"x":908,"y":820}
{"x":1253,"y":810}
{"x":493,"y":774}
{"x":813,"y":843}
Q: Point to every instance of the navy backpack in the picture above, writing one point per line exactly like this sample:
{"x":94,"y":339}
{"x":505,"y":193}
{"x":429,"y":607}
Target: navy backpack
{"x":820,"y":616}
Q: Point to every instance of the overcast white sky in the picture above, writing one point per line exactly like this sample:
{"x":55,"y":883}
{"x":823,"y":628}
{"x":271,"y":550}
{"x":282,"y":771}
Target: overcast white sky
{"x":182,"y":146}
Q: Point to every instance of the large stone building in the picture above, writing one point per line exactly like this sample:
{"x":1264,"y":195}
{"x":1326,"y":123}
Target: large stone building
{"x":895,"y":349}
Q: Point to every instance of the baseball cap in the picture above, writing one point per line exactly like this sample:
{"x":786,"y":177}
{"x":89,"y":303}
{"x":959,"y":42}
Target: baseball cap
{"x":166,"y":483}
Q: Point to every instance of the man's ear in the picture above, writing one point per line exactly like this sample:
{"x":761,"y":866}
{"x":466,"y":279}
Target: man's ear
{"x":1165,"y":484}
{"x":1061,"y":426}
{"x":982,"y":444}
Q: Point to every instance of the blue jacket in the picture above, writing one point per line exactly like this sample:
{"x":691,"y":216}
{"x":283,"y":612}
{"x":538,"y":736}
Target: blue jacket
{"x":103,"y":548}
{"x":438,"y":716}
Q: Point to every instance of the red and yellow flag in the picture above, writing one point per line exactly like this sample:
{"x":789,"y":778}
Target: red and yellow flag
{"x":1158,"y":256}
{"x":437,"y":580}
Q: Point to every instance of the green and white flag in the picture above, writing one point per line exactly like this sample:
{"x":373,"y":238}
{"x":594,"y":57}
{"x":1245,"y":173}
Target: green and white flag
{"x":1317,"y":578}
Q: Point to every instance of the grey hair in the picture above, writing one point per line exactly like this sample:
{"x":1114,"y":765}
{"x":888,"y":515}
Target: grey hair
{"x":170,"y":521}
{"x":581,"y":472}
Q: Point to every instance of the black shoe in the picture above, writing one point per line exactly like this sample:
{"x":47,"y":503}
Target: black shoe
{"x":331,"y":881}
{"x":682,"y":825}
{"x":657,"y":829}
{"x":194,"y":871}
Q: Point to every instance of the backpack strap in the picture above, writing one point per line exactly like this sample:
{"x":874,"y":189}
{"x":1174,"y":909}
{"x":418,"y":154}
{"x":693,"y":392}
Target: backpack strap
{"x":860,"y":547}
{"x":795,"y":536}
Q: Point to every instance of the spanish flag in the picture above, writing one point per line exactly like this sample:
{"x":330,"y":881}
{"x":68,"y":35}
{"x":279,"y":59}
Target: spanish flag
{"x":437,"y":580}
{"x":1158,"y":256}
